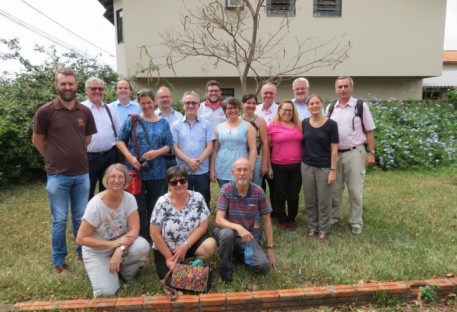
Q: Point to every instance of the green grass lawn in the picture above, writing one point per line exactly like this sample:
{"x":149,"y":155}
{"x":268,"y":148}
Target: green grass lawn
{"x":410,"y":232}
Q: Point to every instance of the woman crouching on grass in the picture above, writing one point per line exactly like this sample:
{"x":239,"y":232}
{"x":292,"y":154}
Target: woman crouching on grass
{"x":179,"y":224}
{"x":109,"y":235}
{"x":318,"y":168}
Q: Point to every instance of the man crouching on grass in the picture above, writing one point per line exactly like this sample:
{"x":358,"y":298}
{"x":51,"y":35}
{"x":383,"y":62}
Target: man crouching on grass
{"x":238,"y":205}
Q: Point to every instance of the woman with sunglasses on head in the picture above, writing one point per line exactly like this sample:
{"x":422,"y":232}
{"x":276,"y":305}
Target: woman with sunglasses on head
{"x":179,"y":224}
{"x":318,"y":168}
{"x":154,"y":141}
{"x":249,"y":104}
{"x":286,"y":143}
{"x":109,"y":235}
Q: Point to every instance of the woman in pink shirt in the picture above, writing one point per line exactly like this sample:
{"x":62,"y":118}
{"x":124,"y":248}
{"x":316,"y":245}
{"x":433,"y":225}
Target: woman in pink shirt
{"x":286,"y":142}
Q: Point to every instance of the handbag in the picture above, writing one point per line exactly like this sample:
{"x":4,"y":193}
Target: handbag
{"x":188,"y":278}
{"x":134,"y":187}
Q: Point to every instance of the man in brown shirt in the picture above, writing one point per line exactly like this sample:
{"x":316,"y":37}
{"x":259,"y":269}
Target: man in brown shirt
{"x":62,"y":130}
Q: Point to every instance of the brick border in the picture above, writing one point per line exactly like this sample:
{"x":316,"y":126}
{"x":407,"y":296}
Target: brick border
{"x":281,"y":299}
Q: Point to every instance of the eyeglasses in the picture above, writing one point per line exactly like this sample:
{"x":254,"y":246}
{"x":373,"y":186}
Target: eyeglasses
{"x":97,"y":88}
{"x":164,"y":97}
{"x":190,"y":103}
{"x":175,"y":182}
{"x":114,"y":177}
{"x":214,"y":91}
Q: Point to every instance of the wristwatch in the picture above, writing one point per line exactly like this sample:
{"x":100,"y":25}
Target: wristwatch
{"x":270,"y":247}
{"x":122,"y":248}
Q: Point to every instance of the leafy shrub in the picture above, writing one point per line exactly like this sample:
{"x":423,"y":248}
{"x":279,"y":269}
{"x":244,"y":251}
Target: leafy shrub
{"x":414,"y":134}
{"x":20,"y":96}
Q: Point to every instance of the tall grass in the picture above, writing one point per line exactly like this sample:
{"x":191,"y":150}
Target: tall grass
{"x":409,"y":233}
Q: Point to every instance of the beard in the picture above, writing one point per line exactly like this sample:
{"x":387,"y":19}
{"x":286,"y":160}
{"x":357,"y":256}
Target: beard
{"x":67,"y":96}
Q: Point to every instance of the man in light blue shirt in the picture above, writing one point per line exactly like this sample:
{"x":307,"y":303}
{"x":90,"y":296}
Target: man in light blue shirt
{"x":300,"y":86}
{"x":124,"y":105}
{"x":193,"y":143}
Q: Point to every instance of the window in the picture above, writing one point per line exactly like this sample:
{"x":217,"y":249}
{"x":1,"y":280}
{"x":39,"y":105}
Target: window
{"x":226,"y":92}
{"x":120,"y":25}
{"x":327,"y":7}
{"x":280,"y":7}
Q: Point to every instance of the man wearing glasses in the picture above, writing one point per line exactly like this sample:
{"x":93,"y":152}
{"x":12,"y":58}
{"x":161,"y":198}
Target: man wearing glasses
{"x":165,"y":110}
{"x":193,"y":143}
{"x":101,"y":152}
{"x":211,"y":109}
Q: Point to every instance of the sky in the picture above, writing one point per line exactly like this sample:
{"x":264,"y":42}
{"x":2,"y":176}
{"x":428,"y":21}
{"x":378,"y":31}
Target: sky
{"x":80,"y":24}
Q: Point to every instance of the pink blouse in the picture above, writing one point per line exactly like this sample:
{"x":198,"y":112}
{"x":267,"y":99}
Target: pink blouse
{"x":286,"y":144}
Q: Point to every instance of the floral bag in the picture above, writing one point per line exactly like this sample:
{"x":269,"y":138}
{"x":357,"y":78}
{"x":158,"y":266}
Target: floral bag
{"x":187,"y":278}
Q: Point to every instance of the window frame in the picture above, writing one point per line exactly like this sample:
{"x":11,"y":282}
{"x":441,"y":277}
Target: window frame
{"x":281,"y":8}
{"x":120,"y":25}
{"x":319,"y":9}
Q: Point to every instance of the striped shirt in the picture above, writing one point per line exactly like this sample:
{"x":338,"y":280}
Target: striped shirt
{"x":243,"y":210}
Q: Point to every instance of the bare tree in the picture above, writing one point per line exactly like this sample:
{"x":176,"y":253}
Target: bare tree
{"x":233,"y":37}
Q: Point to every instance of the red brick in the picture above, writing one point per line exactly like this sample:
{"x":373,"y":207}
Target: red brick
{"x":236,"y":298}
{"x":415,"y":283}
{"x":156,"y":303}
{"x":44,"y":305}
{"x":25,"y":304}
{"x":102,"y":304}
{"x":293,"y":294}
{"x":207,"y":300}
{"x":266,"y":295}
{"x":342,"y":291}
{"x":186,"y":303}
{"x":313,"y":293}
{"x":394,"y":287}
{"x":129,"y":304}
{"x":73,"y":304}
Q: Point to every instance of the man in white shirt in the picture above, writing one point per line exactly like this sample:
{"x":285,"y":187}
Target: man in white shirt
{"x":101,"y":152}
{"x":268,"y":110}
{"x":211,"y":109}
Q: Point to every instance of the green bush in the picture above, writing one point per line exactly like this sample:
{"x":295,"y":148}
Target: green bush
{"x":20,"y":96}
{"x":414,"y":134}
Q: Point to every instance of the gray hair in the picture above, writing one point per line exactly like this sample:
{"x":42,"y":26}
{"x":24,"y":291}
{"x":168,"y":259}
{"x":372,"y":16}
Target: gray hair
{"x":193,"y":93}
{"x":94,"y":79}
{"x":351,"y":82}
{"x":300,"y":79}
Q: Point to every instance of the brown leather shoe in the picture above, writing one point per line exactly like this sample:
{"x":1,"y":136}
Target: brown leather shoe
{"x":61,"y":269}
{"x":322,"y":237}
{"x":312,"y":234}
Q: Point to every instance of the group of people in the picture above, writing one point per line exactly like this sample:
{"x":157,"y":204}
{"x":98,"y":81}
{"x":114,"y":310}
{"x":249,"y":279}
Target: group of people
{"x":244,"y":146}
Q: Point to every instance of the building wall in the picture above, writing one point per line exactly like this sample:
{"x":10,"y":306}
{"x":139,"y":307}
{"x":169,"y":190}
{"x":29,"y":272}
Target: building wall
{"x":368,"y":88}
{"x":391,"y":38}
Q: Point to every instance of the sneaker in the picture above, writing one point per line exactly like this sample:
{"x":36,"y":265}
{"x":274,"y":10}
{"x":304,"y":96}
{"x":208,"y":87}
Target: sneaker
{"x":356,"y":230}
{"x":312,"y":234}
{"x":61,"y":269}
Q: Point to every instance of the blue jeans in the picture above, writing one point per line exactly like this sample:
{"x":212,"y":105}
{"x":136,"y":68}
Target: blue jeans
{"x":256,"y":177}
{"x":63,"y":190}
{"x":200,"y":183}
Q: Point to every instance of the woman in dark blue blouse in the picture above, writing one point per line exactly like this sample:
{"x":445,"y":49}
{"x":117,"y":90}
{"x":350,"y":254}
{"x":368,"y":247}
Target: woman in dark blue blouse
{"x":154,"y":140}
{"x":320,"y":154}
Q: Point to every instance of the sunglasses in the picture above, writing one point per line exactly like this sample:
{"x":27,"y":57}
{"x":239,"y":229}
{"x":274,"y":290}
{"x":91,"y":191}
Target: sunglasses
{"x":97,"y":88}
{"x":175,"y":182}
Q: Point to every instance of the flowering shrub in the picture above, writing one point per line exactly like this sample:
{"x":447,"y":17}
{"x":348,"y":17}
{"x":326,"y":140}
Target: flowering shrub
{"x":414,"y":134}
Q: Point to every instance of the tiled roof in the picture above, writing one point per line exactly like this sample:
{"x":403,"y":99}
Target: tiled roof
{"x":450,"y":56}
